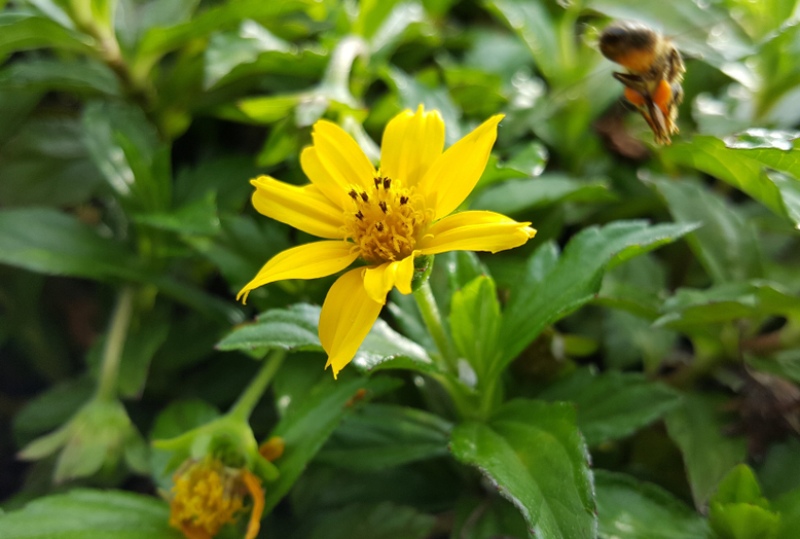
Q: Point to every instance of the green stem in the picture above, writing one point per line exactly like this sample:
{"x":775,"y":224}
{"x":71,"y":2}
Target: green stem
{"x":250,"y":397}
{"x":433,"y":320}
{"x":337,"y":76}
{"x":114,"y":345}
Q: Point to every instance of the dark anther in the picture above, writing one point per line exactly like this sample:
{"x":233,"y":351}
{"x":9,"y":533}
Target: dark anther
{"x":360,"y":216}
{"x":387,"y":183}
{"x":379,"y":226}
{"x":353,"y":194}
{"x":382,"y":204}
{"x":364,"y":196}
{"x":377,"y":180}
{"x":403,"y":200}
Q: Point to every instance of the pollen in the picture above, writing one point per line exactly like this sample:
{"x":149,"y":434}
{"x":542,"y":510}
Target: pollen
{"x":206,"y":495}
{"x":386,"y":220}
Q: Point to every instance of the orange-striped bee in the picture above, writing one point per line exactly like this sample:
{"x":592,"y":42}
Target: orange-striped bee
{"x":654,"y":73}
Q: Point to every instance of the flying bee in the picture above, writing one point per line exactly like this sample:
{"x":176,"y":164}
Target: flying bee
{"x":654,"y":73}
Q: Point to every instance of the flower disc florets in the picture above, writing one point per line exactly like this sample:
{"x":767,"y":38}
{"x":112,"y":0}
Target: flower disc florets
{"x":385,"y":220}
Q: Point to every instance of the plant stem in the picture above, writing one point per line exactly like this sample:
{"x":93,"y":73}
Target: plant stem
{"x":250,"y":397}
{"x":114,"y":345}
{"x":337,"y":76}
{"x":433,"y":320}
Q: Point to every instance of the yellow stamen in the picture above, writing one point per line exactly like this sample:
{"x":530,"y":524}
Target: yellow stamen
{"x":208,"y":495}
{"x":386,"y":220}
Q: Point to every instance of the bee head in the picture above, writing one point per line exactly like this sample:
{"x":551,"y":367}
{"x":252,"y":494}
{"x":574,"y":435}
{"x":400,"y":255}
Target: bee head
{"x":622,"y":38}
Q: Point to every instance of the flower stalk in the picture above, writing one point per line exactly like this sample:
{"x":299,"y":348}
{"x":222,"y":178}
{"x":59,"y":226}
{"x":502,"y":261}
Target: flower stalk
{"x":252,"y":394}
{"x":429,"y":310}
{"x":115,"y":344}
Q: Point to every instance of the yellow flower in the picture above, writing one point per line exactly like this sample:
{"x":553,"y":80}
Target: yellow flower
{"x":207,"y":495}
{"x":385,"y":217}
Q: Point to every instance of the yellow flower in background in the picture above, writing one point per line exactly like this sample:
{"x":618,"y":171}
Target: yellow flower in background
{"x":385,"y":217}
{"x":207,"y":495}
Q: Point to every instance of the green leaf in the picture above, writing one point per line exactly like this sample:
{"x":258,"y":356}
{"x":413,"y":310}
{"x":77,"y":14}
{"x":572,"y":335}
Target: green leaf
{"x":634,"y":291}
{"x":267,"y":110}
{"x":307,"y":424}
{"x":141,"y":344}
{"x":743,"y":521}
{"x":553,"y":287}
{"x":95,"y":439}
{"x":212,"y":176}
{"x":51,"y":242}
{"x":84,"y":78}
{"x":533,"y":452}
{"x":159,"y":40}
{"x":629,"y":509}
{"x":295,"y":328}
{"x":22,"y":31}
{"x":740,"y":486}
{"x":177,"y":418}
{"x":517,"y":196}
{"x":690,"y":309}
{"x":475,"y":323}
{"x":726,"y":244}
{"x":227,"y":50}
{"x":708,"y":454}
{"x":85,"y":514}
{"x":46,"y":163}
{"x":379,"y":436}
{"x":182,"y":416}
{"x":476,"y":92}
{"x":612,"y":405}
{"x":289,"y":329}
{"x":789,"y":507}
{"x":51,"y":409}
{"x":534,"y":24}
{"x":384,"y":348}
{"x":743,"y":163}
{"x":780,"y":471}
{"x":479,"y":517}
{"x":529,"y":162}
{"x":427,"y":484}
{"x":197,"y":217}
{"x":126,"y":149}
{"x":242,"y":246}
{"x":135,"y":18}
{"x":371,"y":13}
{"x":15,"y":106}
{"x":374,"y":521}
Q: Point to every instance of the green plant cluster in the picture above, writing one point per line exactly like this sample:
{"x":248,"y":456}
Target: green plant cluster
{"x":632,"y":372}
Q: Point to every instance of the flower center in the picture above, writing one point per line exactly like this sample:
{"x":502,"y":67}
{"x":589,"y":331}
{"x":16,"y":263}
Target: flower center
{"x":206,"y":496}
{"x":386,"y":220}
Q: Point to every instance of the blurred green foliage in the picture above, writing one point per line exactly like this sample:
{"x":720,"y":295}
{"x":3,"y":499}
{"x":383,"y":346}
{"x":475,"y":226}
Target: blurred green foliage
{"x":606,"y":388}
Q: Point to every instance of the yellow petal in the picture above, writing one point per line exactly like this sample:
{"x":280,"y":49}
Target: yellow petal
{"x":309,"y":261}
{"x":379,"y":280}
{"x":253,"y":485}
{"x":322,"y":179}
{"x":347,"y":316}
{"x":341,"y":156}
{"x":454,"y":174}
{"x":304,"y":208}
{"x":475,"y":231}
{"x":411,"y":143}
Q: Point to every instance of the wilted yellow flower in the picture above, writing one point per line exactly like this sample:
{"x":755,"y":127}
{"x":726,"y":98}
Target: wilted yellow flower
{"x":207,"y":495}
{"x":385,"y":217}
